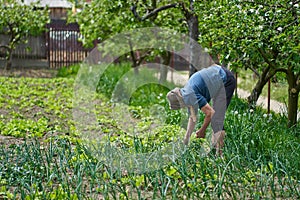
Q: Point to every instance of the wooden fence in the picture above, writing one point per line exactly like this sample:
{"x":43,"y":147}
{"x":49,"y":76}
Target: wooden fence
{"x":59,"y":46}
{"x":64,"y":46}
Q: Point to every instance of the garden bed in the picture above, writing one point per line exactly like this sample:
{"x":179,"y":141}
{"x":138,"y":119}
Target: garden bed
{"x":43,"y":156}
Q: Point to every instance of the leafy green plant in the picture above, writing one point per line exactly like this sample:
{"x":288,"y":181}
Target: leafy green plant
{"x":70,"y":71}
{"x":260,"y":156}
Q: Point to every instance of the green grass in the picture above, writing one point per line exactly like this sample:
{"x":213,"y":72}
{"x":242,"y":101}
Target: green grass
{"x":48,"y":160}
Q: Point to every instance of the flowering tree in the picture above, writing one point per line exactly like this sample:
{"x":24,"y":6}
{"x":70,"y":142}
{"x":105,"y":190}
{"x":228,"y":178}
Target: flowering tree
{"x":260,"y":35}
{"x":19,"y":21}
{"x":99,"y":19}
{"x":175,"y":14}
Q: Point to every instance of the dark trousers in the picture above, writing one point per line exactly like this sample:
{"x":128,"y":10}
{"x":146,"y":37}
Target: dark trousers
{"x":222,"y":100}
{"x":230,"y":85}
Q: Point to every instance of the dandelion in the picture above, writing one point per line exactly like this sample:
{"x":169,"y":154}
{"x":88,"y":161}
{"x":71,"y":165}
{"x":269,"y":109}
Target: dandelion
{"x":236,"y":112}
{"x":251,"y":110}
{"x":270,"y":117}
{"x":265,"y":115}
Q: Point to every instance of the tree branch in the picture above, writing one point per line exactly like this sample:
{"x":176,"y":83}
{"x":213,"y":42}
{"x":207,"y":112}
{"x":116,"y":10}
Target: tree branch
{"x":254,"y":70}
{"x":136,"y":15}
{"x":288,"y":25}
{"x":4,"y":46}
{"x":5,"y":52}
{"x":153,"y":12}
{"x":266,"y":73}
{"x":265,"y":57}
{"x":142,"y":57}
{"x":281,"y":70}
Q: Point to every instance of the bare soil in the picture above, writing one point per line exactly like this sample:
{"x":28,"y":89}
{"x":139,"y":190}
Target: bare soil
{"x":33,"y":73}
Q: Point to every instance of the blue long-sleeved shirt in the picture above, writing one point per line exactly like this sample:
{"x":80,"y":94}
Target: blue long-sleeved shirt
{"x":202,"y":86}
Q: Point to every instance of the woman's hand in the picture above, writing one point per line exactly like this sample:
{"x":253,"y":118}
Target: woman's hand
{"x":200,"y":133}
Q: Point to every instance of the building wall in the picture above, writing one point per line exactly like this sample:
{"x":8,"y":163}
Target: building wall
{"x":58,"y":13}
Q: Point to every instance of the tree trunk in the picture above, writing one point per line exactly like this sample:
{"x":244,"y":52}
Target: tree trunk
{"x":8,"y":56}
{"x":165,"y":61}
{"x":292,"y":106}
{"x":193,"y":44}
{"x":8,"y":65}
{"x":293,"y":91}
{"x":134,"y":58}
{"x":266,"y":75}
{"x":252,"y":99}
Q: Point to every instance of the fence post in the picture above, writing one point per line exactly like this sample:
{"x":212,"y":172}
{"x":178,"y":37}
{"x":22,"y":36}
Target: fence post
{"x":236,"y":84}
{"x":269,"y":96}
